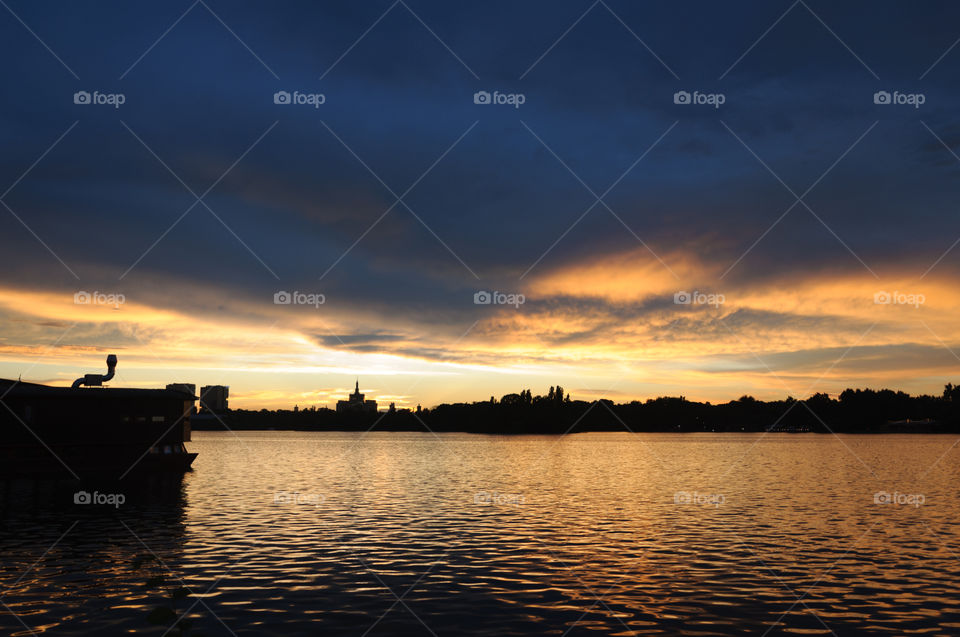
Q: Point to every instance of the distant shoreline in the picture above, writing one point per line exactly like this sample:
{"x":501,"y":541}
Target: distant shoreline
{"x":558,"y":434}
{"x":860,"y":411}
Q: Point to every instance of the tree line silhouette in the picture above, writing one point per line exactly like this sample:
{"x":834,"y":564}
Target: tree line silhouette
{"x":853,"y":411}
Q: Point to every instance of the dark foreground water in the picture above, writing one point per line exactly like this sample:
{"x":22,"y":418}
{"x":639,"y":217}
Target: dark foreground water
{"x":279,"y":533}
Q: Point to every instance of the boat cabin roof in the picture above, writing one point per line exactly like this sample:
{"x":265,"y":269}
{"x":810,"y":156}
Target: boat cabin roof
{"x":20,"y":389}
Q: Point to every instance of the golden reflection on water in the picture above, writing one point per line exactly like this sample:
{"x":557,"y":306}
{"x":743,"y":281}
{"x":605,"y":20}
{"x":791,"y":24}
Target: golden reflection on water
{"x":696,"y":534}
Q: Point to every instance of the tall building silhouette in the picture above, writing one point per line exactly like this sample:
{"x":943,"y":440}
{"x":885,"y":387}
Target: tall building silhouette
{"x":214,"y":398}
{"x":356,"y":403}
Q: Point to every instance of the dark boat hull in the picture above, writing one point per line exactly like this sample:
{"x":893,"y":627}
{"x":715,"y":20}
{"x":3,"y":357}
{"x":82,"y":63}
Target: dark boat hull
{"x":90,"y":462}
{"x":80,"y":433}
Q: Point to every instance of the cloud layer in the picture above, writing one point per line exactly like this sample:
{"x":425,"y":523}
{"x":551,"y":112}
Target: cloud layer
{"x":600,"y":198}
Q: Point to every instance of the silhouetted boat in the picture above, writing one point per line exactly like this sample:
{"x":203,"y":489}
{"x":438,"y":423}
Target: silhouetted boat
{"x":93,"y":431}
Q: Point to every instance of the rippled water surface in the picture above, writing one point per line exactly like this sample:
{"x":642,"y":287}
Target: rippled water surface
{"x":402,"y":533}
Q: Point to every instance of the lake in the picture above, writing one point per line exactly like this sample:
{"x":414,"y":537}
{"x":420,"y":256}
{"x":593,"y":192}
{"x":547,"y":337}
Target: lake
{"x":418,"y":534}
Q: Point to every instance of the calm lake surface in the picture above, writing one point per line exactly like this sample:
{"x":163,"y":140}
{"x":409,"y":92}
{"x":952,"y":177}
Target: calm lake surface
{"x":416,"y":534}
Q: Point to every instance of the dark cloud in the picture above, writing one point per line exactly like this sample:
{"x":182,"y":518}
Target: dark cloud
{"x":299,"y":203}
{"x":852,"y":361}
{"x":356,"y":342}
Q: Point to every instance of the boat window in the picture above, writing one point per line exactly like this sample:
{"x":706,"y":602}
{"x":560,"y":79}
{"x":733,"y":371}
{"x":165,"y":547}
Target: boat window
{"x":158,"y":419}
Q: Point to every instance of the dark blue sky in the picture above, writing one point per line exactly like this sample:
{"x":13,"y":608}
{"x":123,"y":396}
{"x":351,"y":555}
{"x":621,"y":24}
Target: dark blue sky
{"x":598,"y":81}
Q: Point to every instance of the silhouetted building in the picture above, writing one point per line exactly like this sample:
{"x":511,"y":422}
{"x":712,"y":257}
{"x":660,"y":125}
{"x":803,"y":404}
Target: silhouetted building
{"x":187,"y":388}
{"x":214,"y":398}
{"x":357,"y":403}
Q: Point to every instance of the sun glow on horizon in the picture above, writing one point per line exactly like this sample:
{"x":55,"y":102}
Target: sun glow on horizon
{"x":620,"y":334}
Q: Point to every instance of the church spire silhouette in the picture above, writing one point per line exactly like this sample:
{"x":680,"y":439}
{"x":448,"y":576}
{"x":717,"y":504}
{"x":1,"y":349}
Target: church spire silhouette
{"x":357,"y":402}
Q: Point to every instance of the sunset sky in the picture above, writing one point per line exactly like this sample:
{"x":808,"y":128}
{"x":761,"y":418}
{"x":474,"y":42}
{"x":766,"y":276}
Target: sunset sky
{"x":790,"y":209}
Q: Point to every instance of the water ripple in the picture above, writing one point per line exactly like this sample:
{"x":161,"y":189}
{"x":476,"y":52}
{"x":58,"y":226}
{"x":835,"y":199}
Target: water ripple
{"x":614,"y":534}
